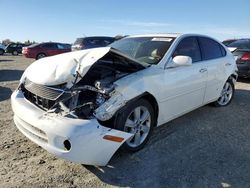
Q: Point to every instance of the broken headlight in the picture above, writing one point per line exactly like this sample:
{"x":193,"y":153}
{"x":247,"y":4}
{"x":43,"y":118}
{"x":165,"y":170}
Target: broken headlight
{"x":108,"y":109}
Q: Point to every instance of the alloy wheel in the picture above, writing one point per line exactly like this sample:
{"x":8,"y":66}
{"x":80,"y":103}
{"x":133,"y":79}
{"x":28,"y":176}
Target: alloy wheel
{"x":226,"y":94}
{"x":138,"y":123}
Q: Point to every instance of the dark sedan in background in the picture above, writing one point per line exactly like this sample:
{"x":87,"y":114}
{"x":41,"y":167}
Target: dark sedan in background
{"x":241,"y":51}
{"x":14,"y":48}
{"x":92,"y":42}
{"x":38,"y":51}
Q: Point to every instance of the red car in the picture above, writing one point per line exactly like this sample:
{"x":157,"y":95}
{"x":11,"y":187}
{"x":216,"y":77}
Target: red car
{"x":41,"y":50}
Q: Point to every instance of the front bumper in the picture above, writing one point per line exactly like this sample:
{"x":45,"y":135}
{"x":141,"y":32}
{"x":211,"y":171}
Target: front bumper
{"x":50,"y":130}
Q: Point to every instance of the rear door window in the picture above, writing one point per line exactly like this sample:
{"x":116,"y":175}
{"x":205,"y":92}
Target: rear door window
{"x":94,"y":42}
{"x":60,"y":46}
{"x":13,"y":45}
{"x":107,"y":41}
{"x":211,"y":49}
{"x":189,"y":47}
{"x":49,"y":46}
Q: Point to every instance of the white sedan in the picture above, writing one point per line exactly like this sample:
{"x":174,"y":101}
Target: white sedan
{"x":82,"y":106}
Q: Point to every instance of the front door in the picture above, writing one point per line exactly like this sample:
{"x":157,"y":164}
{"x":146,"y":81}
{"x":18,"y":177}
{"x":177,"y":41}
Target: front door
{"x":183,"y":88}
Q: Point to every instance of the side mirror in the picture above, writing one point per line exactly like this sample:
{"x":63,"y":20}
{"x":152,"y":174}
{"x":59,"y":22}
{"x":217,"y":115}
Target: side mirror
{"x":180,"y":60}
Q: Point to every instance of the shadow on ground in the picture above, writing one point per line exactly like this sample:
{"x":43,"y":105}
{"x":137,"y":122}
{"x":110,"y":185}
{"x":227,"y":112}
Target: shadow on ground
{"x":4,"y":60}
{"x":204,"y":148}
{"x":244,"y":80}
{"x":10,"y":75}
{"x":5,"y":93}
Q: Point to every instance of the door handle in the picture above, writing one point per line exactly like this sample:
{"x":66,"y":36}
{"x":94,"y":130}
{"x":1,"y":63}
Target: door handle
{"x":203,"y":70}
{"x":228,"y":64}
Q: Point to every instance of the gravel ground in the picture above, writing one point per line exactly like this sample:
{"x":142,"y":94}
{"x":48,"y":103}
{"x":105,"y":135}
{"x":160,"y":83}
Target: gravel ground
{"x":209,"y":147}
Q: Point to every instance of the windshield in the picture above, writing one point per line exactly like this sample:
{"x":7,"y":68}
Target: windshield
{"x":144,"y":49}
{"x":78,"y":41}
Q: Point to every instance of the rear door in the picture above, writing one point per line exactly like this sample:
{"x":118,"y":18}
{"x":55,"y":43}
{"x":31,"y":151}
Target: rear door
{"x":11,"y":48}
{"x":62,"y":48}
{"x":213,"y":55}
{"x":50,"y":49}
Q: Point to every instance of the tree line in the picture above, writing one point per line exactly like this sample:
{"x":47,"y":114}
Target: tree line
{"x":8,"y":41}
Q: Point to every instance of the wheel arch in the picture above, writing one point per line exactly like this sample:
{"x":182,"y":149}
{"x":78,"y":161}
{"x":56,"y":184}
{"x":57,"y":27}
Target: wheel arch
{"x":233,"y":77}
{"x":145,"y":95}
{"x":152,"y":100}
{"x":40,"y":53}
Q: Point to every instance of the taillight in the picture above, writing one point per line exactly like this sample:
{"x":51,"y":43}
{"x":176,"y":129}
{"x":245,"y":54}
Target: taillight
{"x":245,"y":57}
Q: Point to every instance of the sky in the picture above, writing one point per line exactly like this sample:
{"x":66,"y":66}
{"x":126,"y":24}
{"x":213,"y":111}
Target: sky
{"x":65,"y":20}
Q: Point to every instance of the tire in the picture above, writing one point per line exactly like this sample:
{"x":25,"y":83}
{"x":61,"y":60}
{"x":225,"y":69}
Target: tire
{"x":15,"y":53}
{"x":127,"y":121}
{"x":1,"y":51}
{"x":227,"y":94}
{"x":39,"y":56}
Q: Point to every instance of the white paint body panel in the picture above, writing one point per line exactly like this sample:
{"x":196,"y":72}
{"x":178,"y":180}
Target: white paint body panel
{"x":177,"y":91}
{"x":86,"y":136}
{"x":59,"y":69}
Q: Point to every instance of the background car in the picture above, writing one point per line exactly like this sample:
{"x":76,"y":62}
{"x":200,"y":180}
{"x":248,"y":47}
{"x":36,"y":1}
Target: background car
{"x":241,"y":52}
{"x":14,"y":48}
{"x":2,"y":49}
{"x":41,"y":50}
{"x":92,"y":42}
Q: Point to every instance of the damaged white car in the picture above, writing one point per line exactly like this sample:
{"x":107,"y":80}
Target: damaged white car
{"x":82,"y":106}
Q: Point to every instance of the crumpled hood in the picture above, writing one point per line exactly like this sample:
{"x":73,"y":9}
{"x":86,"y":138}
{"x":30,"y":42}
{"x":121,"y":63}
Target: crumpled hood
{"x":61,"y":68}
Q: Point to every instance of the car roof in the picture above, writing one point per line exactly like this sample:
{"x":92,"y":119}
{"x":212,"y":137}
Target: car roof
{"x":174,"y":35}
{"x":95,"y":37}
{"x":171,"y":35}
{"x":52,"y":43}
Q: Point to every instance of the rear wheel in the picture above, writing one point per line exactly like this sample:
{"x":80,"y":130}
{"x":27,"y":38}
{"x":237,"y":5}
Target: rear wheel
{"x":137,"y":118}
{"x":41,"y":55}
{"x":226,"y":95}
{"x":15,"y":53}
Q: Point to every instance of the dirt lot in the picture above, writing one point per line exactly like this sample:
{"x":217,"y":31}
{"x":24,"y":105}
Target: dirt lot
{"x":209,"y":147}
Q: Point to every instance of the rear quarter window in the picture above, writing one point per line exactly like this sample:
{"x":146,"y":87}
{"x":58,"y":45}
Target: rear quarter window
{"x":211,"y":49}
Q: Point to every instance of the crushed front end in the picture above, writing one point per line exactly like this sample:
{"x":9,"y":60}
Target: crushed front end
{"x":64,"y":118}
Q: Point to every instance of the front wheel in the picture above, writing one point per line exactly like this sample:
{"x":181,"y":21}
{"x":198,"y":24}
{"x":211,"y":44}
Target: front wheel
{"x":226,"y":95}
{"x":137,"y":118}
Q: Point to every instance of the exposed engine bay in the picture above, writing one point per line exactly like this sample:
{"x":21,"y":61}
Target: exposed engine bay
{"x":87,"y":93}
